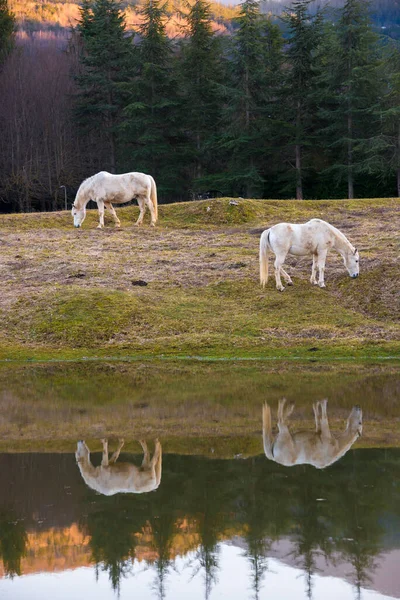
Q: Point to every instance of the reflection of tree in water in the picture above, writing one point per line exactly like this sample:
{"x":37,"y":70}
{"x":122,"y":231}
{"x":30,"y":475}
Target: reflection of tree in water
{"x":364,"y":498}
{"x":112,"y":542}
{"x":256,"y":536}
{"x":262,"y":502}
{"x":311,"y":528}
{"x":13,"y":542}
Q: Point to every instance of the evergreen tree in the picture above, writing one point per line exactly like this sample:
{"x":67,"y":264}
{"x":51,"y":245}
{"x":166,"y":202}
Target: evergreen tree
{"x":105,"y":63}
{"x":304,"y":38}
{"x":7,"y":29}
{"x":201,"y":73}
{"x":151,"y":128}
{"x":255,"y":61}
{"x":389,"y":115}
{"x":352,"y":90}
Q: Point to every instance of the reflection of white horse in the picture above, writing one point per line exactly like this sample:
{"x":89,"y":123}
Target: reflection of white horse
{"x":318,"y":448}
{"x":315,"y":237}
{"x":105,"y":188}
{"x":111,"y":478}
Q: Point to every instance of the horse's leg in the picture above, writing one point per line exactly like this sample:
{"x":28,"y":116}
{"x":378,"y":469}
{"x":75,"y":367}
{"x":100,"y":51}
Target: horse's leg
{"x":104,"y":460}
{"x":313,"y":278}
{"x":158,"y":463}
{"x":151,"y":209}
{"x":286,"y":277}
{"x":146,"y":457}
{"x":100,"y":206}
{"x":284,"y":449}
{"x":279,"y":260}
{"x":114,"y":214}
{"x":115,"y":456}
{"x":142,"y":208}
{"x":317,"y":418}
{"x":325,"y":431}
{"x":321,"y":268}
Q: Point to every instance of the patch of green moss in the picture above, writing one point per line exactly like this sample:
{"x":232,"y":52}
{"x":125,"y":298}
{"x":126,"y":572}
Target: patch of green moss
{"x":79,"y":317}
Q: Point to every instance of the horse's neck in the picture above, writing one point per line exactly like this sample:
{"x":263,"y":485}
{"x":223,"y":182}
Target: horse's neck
{"x":341,"y":244}
{"x":86,"y":467}
{"x":345,"y":442}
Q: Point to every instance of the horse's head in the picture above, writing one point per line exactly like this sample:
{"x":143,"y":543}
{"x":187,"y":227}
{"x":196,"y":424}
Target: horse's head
{"x":82,"y":452}
{"x":352,"y":263}
{"x":354,"y":422}
{"x":79,"y":215}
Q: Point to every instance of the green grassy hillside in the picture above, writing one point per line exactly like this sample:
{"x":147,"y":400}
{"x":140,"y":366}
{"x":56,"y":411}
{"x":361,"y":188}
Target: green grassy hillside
{"x":189,"y":287}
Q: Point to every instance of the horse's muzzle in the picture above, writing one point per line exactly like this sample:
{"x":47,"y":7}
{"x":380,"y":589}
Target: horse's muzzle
{"x":76,"y":225}
{"x":354,"y":276}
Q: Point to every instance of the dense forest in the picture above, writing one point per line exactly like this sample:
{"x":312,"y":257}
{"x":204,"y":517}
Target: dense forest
{"x":306,"y":104}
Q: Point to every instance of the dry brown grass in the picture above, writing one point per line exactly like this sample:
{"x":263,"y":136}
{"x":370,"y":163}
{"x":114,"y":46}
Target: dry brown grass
{"x":64,"y":288}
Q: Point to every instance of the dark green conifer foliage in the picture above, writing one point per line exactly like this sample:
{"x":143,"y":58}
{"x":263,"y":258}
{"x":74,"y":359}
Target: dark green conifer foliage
{"x":298,"y":94}
{"x":252,"y":68}
{"x":105,"y":65}
{"x":151,"y":129}
{"x":389,"y":115}
{"x":352,"y":94}
{"x":201,"y":74}
{"x":7,"y":29}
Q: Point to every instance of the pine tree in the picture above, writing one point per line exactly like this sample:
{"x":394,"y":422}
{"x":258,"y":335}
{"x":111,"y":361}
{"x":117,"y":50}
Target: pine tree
{"x":105,"y":65}
{"x":255,"y":61}
{"x":201,"y":74}
{"x":151,"y":129}
{"x":389,"y":115}
{"x":304,"y":38}
{"x":7,"y":29}
{"x":352,"y":95}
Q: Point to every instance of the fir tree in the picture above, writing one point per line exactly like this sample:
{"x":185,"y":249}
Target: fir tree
{"x":201,"y":73}
{"x":253,"y":66}
{"x":151,"y":128}
{"x":304,"y":38}
{"x":389,"y":116}
{"x":105,"y":63}
{"x":7,"y":29}
{"x":352,"y":90}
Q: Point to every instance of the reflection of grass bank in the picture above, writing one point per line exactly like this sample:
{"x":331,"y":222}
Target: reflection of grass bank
{"x":72,"y":294}
{"x":213,"y":404}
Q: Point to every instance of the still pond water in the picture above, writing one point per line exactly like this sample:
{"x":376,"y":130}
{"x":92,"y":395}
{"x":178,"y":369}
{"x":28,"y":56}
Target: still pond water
{"x":179,"y":514}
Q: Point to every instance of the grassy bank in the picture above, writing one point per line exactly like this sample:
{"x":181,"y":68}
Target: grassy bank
{"x":192,"y":407}
{"x":190,"y":286}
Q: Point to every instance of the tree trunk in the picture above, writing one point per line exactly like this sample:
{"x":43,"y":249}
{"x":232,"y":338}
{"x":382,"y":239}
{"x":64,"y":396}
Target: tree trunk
{"x":398,"y":160}
{"x":350,"y":181}
{"x":299,"y":186}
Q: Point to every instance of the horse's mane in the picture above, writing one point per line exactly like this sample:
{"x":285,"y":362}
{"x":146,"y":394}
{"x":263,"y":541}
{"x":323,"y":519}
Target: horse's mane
{"x":341,"y":236}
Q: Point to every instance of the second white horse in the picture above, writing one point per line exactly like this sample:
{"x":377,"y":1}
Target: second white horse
{"x":316,"y":238}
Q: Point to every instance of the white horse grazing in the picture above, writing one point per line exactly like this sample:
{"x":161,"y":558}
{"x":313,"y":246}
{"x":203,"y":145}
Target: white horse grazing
{"x":315,"y":237}
{"x":105,"y":188}
{"x":111,"y":478}
{"x":319,"y":449}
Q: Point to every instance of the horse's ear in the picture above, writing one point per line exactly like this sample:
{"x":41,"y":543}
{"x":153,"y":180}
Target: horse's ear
{"x":355,"y":251}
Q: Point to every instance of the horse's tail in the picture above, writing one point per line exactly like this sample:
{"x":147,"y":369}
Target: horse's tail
{"x":267,"y":431}
{"x":264,"y":251}
{"x":153,"y":196}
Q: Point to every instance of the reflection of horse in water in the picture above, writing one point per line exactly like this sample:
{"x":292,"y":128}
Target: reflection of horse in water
{"x":319,"y":448}
{"x":113,"y":478}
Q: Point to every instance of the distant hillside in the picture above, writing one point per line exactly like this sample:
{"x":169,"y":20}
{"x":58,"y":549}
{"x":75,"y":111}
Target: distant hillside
{"x":385,"y":14}
{"x":58,"y":15}
{"x":62,"y":14}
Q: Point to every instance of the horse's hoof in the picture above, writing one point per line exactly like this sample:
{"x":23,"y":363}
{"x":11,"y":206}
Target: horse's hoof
{"x":118,"y":225}
{"x":289,"y":283}
{"x":322,"y":285}
{"x":152,"y":224}
{"x":280,"y":289}
{"x":99,"y":227}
